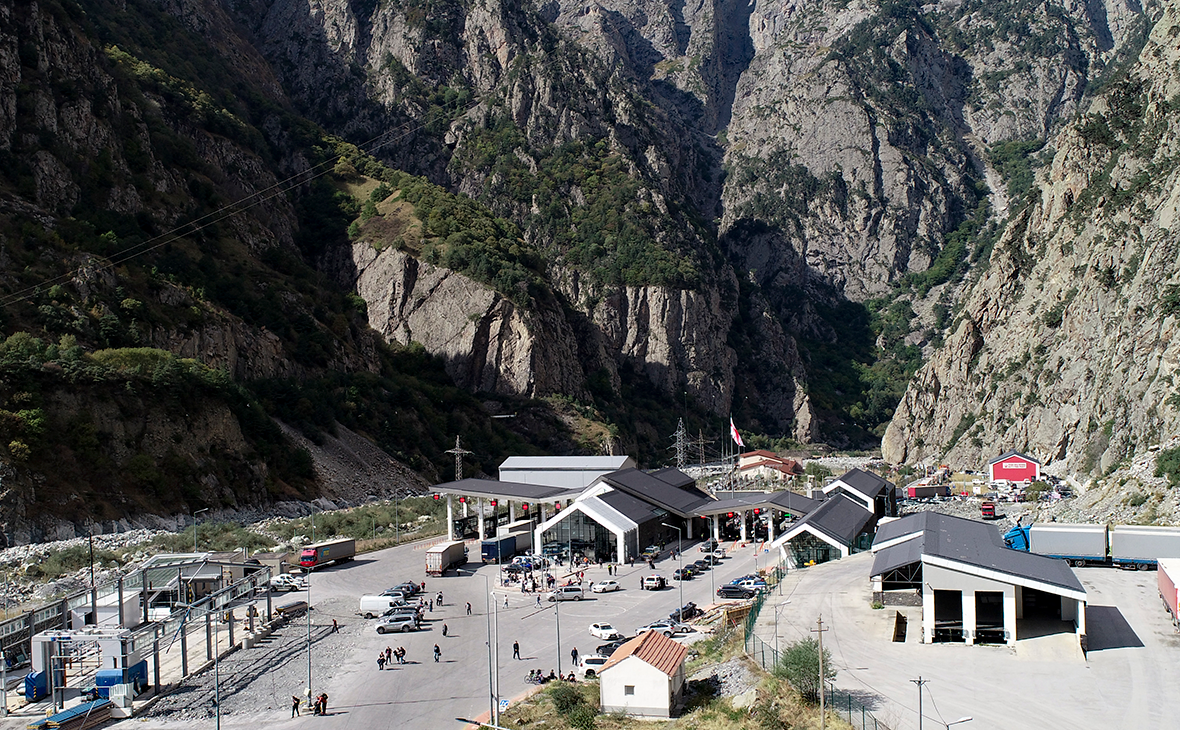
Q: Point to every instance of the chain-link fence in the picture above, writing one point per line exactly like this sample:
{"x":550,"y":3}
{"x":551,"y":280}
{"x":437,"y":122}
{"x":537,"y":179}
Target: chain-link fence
{"x":836,"y":701}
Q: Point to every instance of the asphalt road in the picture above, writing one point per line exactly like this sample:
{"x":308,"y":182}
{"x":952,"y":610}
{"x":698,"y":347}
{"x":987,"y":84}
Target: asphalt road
{"x":422,"y":693}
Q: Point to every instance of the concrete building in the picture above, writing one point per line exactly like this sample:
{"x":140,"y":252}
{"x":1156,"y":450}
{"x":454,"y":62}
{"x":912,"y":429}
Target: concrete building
{"x":767,"y":465}
{"x":644,"y":677}
{"x":971,"y":586}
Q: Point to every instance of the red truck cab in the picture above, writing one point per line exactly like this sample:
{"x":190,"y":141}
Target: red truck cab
{"x":988,"y":510}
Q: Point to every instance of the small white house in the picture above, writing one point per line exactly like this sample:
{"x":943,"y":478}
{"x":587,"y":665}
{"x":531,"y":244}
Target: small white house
{"x":644,"y":677}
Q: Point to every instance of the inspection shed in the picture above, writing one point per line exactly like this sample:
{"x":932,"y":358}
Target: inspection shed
{"x":1014,"y":466}
{"x":877,"y":494}
{"x":838,"y":527}
{"x":973,"y":588}
{"x":644,"y":677}
{"x":568,"y":472}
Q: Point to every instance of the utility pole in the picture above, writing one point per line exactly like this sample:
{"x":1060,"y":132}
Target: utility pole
{"x":701,"y":442}
{"x":919,"y":681}
{"x":681,"y":437}
{"x":459,"y":453}
{"x":819,"y":622}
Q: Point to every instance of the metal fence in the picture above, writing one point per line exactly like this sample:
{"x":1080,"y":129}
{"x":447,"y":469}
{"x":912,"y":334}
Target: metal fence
{"x":836,"y":701}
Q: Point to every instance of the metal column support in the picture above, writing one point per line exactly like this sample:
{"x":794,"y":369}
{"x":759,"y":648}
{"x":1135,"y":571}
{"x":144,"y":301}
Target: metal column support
{"x":744,"y":515}
{"x":230,"y":614}
{"x":479,"y":508}
{"x":208,"y":636}
{"x":184,"y":649}
{"x":122,"y":613}
{"x":143,"y":592}
{"x":156,"y":657}
{"x":717,"y":528}
{"x":268,"y":616}
{"x":770,"y":526}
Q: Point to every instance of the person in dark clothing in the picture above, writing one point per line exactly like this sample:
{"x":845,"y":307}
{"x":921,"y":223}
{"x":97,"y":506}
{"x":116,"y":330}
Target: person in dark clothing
{"x":516,"y":650}
{"x":574,"y":655}
{"x":380,"y":661}
{"x":468,"y":609}
{"x":294,"y":705}
{"x":444,"y":629}
{"x":437,"y":653}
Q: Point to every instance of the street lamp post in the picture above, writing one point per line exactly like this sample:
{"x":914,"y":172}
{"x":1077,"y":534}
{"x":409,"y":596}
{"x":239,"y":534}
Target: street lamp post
{"x":778,"y":608}
{"x":680,"y":557}
{"x":957,"y":722}
{"x":206,"y":509}
{"x":308,"y":571}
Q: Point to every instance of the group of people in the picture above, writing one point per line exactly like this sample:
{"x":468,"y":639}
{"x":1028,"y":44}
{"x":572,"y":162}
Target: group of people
{"x":319,"y":706}
{"x":536,"y":677}
{"x":387,"y":656}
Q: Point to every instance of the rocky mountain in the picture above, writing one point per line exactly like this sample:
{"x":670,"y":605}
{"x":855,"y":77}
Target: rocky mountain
{"x":1065,"y":343}
{"x":402,"y":218}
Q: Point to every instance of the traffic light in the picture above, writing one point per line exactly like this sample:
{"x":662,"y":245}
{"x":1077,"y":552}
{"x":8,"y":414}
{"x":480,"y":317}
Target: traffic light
{"x":557,"y":506}
{"x":524,"y":506}
{"x":462,"y":499}
{"x":493,"y":503}
{"x":757,"y":511}
{"x":436,"y":497}
{"x":729,"y":514}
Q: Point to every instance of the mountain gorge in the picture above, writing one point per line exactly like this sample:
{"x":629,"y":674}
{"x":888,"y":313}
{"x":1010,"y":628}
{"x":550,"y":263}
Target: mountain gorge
{"x":406,"y":216}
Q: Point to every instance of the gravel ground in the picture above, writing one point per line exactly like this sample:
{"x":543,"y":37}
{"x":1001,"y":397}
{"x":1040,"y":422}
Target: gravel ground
{"x":730,"y":678}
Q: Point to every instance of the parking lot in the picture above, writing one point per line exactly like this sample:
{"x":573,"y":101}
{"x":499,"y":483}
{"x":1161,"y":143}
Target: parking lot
{"x":257,"y":684}
{"x":1126,"y":680}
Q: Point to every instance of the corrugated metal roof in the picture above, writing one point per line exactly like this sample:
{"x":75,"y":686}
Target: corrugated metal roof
{"x":496,"y":488}
{"x":662,"y":489}
{"x":593,"y":463}
{"x":1007,"y":454}
{"x":864,"y":482}
{"x":653,"y":648}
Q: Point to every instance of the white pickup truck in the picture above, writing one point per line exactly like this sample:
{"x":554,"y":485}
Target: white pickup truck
{"x":287,"y":582}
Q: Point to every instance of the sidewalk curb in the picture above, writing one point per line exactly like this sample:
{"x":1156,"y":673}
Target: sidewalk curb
{"x":486,"y":717}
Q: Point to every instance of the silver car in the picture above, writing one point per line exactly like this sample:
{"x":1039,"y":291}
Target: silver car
{"x":403,"y":624}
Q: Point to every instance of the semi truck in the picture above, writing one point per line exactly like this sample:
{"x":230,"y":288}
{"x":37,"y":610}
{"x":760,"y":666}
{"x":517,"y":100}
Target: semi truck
{"x":1123,"y":546}
{"x":1168,"y":577}
{"x":444,"y":556}
{"x":329,"y":551}
{"x":499,"y":549}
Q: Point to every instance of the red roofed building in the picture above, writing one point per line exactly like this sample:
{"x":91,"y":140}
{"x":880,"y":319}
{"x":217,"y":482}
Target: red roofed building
{"x":1014,"y":467}
{"x":644,"y":677}
{"x":767,"y":465}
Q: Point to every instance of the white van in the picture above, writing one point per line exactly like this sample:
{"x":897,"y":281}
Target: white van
{"x":567,"y":593}
{"x":372,"y":606}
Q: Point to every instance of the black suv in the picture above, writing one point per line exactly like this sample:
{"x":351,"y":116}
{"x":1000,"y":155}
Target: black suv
{"x":608,"y":649}
{"x":734,"y":592}
{"x":689,"y":611}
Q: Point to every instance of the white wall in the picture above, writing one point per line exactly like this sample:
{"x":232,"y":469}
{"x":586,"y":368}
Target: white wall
{"x":944,"y":579}
{"x":652,"y":689}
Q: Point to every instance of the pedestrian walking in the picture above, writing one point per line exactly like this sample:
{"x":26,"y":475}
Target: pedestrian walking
{"x":444,"y":629}
{"x":516,"y":650}
{"x":468,"y":609}
{"x":335,"y":626}
{"x":505,"y":601}
{"x":538,"y":601}
{"x":440,"y":598}
{"x":437,"y":653}
{"x":380,"y":661}
{"x":294,"y":705}
{"x":401,"y":655}
{"x":388,"y":655}
{"x":574,"y":655}
{"x":432,"y":605}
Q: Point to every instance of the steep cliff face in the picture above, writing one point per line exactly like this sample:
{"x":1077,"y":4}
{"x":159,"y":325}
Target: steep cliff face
{"x":1066,"y":347}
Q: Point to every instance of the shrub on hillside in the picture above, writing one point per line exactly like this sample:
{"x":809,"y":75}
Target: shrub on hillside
{"x":799,"y":665}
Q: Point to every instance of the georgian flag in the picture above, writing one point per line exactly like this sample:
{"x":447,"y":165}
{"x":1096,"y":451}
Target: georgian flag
{"x":737,"y":437}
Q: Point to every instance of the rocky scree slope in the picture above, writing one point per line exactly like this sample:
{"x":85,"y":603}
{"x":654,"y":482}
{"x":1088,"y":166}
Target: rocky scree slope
{"x":1065,"y":347}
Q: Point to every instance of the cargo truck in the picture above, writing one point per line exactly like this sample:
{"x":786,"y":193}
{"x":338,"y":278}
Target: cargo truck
{"x":330,"y":551}
{"x":498,"y":550}
{"x":1123,"y":546}
{"x":444,"y":556}
{"x":1136,"y":546}
{"x":1168,"y":578}
{"x":1078,"y":544}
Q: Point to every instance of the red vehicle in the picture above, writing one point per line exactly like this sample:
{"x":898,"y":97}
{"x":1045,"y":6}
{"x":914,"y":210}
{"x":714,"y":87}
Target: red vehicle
{"x":988,"y":510}
{"x":322,"y":553}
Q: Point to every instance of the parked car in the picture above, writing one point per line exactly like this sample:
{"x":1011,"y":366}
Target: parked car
{"x":712,"y":559}
{"x":654,"y":583}
{"x":287,"y":582}
{"x":685,"y":612}
{"x":685,"y":573}
{"x":404,"y":611}
{"x":589,"y":664}
{"x":708,"y":546}
{"x":667,"y":628}
{"x":609,"y":648}
{"x":392,"y":624}
{"x":651,"y":552}
{"x":604,"y":631}
{"x":739,"y":579}
{"x":409,"y":588}
{"x":755,"y":585}
{"x":567,"y":593}
{"x":398,"y":593}
{"x":732,"y":591}
{"x":718,"y":553}
{"x":515,"y":569}
{"x":606,"y":586}
{"x":700,"y":565}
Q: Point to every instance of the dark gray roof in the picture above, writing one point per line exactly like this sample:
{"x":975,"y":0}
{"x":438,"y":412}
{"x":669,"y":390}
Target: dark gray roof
{"x":659,"y":490}
{"x":866,"y":483}
{"x":796,"y":504}
{"x":840,"y":518}
{"x":633,"y":508}
{"x":896,"y":556}
{"x":496,"y":488}
{"x":973,"y":543}
{"x":1005,"y":455}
